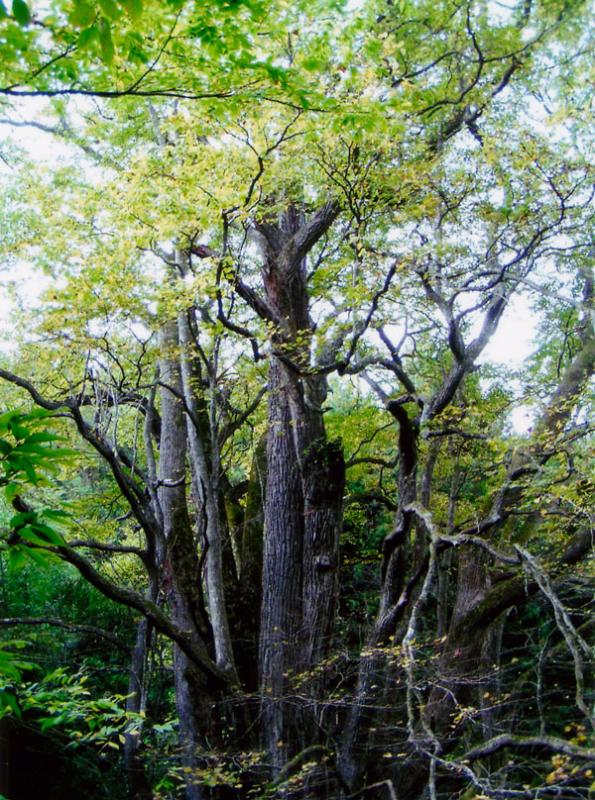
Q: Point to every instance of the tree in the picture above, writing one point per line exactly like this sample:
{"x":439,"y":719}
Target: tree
{"x":290,"y":242}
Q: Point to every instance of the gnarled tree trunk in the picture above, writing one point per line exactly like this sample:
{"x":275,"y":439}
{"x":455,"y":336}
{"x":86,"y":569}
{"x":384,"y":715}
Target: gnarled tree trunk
{"x":304,"y":491}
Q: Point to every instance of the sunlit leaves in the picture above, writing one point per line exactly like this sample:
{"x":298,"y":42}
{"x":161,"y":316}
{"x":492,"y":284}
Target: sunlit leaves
{"x":61,"y":700}
{"x":82,"y":14}
{"x":134,"y":8}
{"x":105,"y":40}
{"x":27,"y":455}
{"x":110,"y":8}
{"x":25,"y":451}
{"x":12,"y":667}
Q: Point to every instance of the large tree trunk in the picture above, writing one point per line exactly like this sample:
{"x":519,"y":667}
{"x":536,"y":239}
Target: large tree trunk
{"x":304,"y":492}
{"x":323,"y":482}
{"x":281,"y":614}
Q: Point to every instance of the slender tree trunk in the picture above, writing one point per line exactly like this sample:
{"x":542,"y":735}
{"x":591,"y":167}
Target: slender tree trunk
{"x":490,"y":690}
{"x":460,"y":673}
{"x":139,"y":787}
{"x":205,"y":490}
{"x":395,"y":599}
{"x":250,"y":593}
{"x":195,"y":694}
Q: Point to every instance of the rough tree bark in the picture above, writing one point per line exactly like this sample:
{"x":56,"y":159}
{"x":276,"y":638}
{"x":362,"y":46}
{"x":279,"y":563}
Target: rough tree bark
{"x":304,"y":490}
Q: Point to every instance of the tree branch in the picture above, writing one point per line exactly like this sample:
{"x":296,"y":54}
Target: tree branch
{"x":551,"y":743}
{"x":69,"y":626}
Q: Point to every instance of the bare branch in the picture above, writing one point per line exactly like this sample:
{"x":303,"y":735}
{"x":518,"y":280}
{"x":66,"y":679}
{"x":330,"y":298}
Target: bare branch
{"x":550,"y":743}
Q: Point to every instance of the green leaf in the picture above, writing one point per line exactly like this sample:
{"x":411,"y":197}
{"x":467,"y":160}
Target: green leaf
{"x":50,"y":722}
{"x":21,"y":12}
{"x":39,"y":413}
{"x":41,"y":558}
{"x":105,"y":40}
{"x":313,"y":64}
{"x":8,"y":704}
{"x":40,"y":453}
{"x":29,"y":470}
{"x":7,"y":668}
{"x":11,"y":491}
{"x":18,"y":430}
{"x":32,"y":450}
{"x":21,"y":464}
{"x":52,"y":536}
{"x":22,"y":518}
{"x":52,"y":513}
{"x":134,"y":8}
{"x":109,"y":8}
{"x":6,"y":418}
{"x":29,"y":534}
{"x":42,"y":436}
{"x":87,"y":36}
{"x":16,"y":558}
{"x":82,"y":14}
{"x":3,"y":12}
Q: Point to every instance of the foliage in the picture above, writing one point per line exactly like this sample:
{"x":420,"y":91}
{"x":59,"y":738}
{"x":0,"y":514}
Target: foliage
{"x":28,"y":454}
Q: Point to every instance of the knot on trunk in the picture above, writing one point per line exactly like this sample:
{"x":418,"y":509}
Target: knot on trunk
{"x":324,"y":562}
{"x":324,"y":473}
